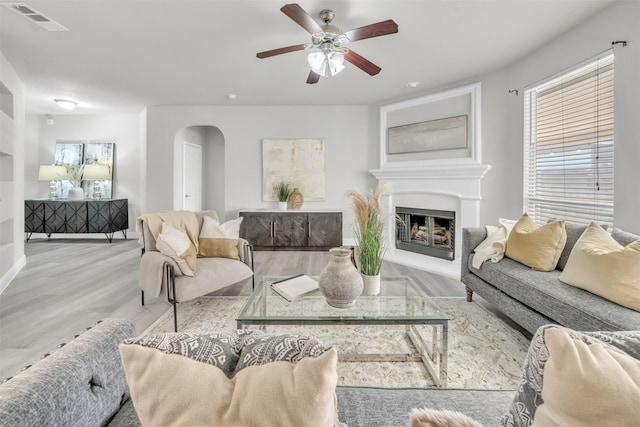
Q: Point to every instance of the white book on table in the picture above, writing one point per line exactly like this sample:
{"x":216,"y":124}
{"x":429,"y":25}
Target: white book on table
{"x":294,"y":287}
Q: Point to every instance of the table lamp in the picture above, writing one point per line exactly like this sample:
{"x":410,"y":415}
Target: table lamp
{"x":52,"y":173}
{"x":95,"y":173}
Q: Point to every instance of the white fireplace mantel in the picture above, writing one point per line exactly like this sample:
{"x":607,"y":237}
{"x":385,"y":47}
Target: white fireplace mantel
{"x":457,"y":181}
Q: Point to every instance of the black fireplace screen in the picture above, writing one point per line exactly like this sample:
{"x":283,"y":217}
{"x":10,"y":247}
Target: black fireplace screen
{"x":426,"y":231}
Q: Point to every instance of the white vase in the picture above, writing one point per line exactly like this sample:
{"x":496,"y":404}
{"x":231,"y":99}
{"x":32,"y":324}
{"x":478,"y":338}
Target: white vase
{"x":371,"y":284}
{"x":340,"y":283}
{"x":282,"y":206}
{"x":75,"y":193}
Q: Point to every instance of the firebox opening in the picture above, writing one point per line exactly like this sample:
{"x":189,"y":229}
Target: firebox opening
{"x":426,"y":231}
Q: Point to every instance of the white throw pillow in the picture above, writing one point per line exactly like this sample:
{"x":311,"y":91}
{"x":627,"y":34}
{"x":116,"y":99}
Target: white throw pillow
{"x":176,"y":244}
{"x":219,"y":240}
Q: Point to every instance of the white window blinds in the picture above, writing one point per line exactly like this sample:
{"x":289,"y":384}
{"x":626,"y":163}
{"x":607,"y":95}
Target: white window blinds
{"x":568,"y":145}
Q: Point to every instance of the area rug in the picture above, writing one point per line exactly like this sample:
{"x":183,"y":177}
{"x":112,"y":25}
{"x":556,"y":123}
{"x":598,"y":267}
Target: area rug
{"x":484,"y":352}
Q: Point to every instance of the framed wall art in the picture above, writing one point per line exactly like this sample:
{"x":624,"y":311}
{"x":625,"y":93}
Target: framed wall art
{"x":299,"y":162}
{"x":433,"y":135}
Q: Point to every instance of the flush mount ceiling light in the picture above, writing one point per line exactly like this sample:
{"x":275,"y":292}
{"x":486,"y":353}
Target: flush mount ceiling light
{"x":413,"y":84}
{"x":66,"y":104}
{"x":328,"y":40}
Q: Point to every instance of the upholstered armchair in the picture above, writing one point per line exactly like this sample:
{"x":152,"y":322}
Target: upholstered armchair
{"x":170,"y":268}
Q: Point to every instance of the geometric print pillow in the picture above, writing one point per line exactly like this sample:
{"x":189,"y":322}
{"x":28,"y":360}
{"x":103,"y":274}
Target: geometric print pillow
{"x":233,"y":350}
{"x":218,"y":349}
{"x":259,"y":348}
{"x":529,"y":398}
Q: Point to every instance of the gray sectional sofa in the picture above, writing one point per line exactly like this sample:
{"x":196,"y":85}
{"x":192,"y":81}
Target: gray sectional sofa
{"x":535,"y":298}
{"x":83,"y":384}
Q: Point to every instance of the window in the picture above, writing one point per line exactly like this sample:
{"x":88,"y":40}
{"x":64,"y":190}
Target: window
{"x":568,"y":145}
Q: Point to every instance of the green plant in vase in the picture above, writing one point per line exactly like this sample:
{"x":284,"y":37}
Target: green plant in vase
{"x":282,"y":190}
{"x":368,"y":234}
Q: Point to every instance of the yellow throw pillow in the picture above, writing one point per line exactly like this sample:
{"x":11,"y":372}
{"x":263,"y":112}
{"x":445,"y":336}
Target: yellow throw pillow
{"x":170,"y":390}
{"x":177,"y":245}
{"x":219,"y":240}
{"x":601,"y":265}
{"x":587,"y":384}
{"x":536,"y":247}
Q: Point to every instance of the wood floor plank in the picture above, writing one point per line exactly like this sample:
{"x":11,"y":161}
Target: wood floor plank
{"x":69,"y":284}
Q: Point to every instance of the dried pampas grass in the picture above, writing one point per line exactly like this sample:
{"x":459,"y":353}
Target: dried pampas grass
{"x":365,"y":206}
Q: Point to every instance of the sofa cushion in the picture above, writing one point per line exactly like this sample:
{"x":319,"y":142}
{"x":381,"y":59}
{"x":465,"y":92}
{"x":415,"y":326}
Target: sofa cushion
{"x":544,"y":293}
{"x":536,"y":247}
{"x":367,"y":406}
{"x":601,"y":265}
{"x":188,"y":392}
{"x":566,"y":374}
{"x":222,"y":272}
{"x":219,"y":240}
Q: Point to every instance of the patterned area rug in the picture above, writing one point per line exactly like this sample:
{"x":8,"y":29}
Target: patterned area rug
{"x":484,"y":352}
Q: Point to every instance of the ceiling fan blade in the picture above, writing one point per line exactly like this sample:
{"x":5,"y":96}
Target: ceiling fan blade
{"x":280,"y":51}
{"x":373,"y":30}
{"x":362,"y":63}
{"x":313,"y":77}
{"x":301,"y":17}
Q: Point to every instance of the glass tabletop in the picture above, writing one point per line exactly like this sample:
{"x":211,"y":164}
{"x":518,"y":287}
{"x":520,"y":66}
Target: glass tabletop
{"x":400,"y":300}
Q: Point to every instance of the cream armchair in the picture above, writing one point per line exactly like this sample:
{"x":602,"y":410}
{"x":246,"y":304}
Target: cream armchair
{"x":161,"y":276}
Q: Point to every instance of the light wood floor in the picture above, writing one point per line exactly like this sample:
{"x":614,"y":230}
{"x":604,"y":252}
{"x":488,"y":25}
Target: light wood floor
{"x":69,"y":284}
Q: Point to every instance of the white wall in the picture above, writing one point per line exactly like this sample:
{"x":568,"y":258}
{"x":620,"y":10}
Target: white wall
{"x":347,"y":146}
{"x":12,"y":257}
{"x":124,"y":128}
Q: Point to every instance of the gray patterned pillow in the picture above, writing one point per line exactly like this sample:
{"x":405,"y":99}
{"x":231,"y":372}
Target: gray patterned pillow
{"x":529,"y":394}
{"x":218,"y":349}
{"x":260,"y":348}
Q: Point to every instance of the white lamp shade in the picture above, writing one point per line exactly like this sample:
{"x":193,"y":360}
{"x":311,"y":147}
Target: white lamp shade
{"x":326,"y":63}
{"x":93,"y":172}
{"x":52,"y":173}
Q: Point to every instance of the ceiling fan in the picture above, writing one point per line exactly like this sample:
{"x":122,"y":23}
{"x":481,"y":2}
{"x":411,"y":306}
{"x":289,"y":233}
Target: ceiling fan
{"x":328,"y":42}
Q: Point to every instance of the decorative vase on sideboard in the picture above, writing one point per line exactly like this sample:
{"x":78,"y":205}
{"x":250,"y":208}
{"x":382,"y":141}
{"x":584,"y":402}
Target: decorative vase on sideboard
{"x":282,"y":206}
{"x":296,"y":199}
{"x":75,"y":193}
{"x":340,"y":283}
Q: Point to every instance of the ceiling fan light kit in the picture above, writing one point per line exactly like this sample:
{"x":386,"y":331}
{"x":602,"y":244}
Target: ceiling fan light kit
{"x":328,"y":58}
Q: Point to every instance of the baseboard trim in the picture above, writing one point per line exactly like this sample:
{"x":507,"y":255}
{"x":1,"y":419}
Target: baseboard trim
{"x":12,"y":273}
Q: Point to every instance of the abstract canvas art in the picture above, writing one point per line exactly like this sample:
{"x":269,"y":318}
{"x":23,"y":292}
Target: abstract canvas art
{"x":432,"y":135}
{"x":299,"y":162}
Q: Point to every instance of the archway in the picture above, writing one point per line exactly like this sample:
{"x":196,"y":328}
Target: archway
{"x":211,"y":139}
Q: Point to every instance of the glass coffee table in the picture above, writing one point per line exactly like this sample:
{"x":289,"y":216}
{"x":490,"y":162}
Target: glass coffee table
{"x":400,"y":302}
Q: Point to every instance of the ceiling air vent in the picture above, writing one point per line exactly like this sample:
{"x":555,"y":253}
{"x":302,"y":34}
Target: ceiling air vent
{"x":34,"y":16}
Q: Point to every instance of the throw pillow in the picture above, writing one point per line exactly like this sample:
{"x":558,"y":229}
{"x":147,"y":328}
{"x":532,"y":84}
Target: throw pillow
{"x":529,"y":396}
{"x":574,"y":231}
{"x":176,"y":244}
{"x":259,"y":348}
{"x":587,"y":384}
{"x":169,"y":389}
{"x":601,"y":265}
{"x":218,"y":349}
{"x":219,"y":240}
{"x":536,"y":247}
{"x":440,"y":418}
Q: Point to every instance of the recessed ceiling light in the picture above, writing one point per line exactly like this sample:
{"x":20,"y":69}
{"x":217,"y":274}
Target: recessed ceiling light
{"x":66,"y":104}
{"x":231,"y":96}
{"x":413,"y":84}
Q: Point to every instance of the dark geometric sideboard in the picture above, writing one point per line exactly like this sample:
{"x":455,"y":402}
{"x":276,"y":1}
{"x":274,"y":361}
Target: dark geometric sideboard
{"x":81,"y":216}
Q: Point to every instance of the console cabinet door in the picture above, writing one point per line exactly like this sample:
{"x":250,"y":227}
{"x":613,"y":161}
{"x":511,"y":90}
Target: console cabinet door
{"x":325,"y":229}
{"x":99,"y":217}
{"x":290,"y":230}
{"x":119,"y":211}
{"x":256,"y":229}
{"x":75,"y":217}
{"x":54,"y":217}
{"x":33,"y":216}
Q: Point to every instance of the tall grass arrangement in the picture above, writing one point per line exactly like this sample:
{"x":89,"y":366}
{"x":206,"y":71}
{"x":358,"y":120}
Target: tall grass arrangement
{"x":368,"y":230}
{"x":283,"y":190}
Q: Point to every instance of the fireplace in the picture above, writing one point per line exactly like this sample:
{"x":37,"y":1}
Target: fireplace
{"x":426,"y":231}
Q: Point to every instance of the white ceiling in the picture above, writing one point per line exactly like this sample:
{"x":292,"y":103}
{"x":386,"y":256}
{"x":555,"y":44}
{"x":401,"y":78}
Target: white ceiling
{"x":119,"y":56}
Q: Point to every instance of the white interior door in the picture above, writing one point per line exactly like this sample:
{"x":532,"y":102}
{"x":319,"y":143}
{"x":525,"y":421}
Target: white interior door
{"x":192,"y":177}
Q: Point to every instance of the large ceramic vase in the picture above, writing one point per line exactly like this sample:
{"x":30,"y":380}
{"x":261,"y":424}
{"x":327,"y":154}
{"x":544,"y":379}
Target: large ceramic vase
{"x":340,"y":283}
